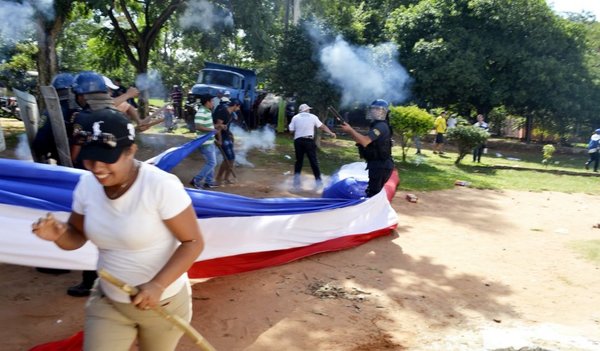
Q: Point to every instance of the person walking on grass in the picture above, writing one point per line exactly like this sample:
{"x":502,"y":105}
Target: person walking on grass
{"x":478,"y":150}
{"x":594,"y":150}
{"x":303,"y":126}
{"x":440,"y":128}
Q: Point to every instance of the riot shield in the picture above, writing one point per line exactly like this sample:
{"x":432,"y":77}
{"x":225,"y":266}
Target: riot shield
{"x":30,"y":115}
{"x":58,"y":125}
{"x":2,"y":141}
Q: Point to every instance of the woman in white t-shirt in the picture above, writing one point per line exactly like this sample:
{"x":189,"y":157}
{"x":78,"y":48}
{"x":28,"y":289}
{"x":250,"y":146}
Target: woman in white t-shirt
{"x":143,"y":223}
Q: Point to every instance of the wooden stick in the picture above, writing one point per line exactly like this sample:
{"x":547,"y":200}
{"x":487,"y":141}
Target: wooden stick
{"x":146,"y":126}
{"x":188,"y":330}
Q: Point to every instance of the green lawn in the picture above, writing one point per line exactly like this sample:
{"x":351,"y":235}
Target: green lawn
{"x":432,"y":172}
{"x":429,"y":171}
{"x":157,"y":102}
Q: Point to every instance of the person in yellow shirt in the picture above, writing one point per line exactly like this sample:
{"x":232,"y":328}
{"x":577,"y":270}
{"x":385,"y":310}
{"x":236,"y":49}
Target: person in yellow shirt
{"x":440,"y":128}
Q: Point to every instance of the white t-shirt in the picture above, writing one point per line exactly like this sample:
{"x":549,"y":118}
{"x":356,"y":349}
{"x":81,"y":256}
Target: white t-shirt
{"x":133,"y":242}
{"x":452,"y":122}
{"x":481,"y":125}
{"x":304,"y":124}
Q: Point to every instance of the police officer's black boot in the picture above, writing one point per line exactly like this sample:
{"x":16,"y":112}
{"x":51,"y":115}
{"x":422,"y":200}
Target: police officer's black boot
{"x":84,"y":288}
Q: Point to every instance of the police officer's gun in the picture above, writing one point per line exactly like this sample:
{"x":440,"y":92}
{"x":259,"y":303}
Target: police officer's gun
{"x":336,"y":115}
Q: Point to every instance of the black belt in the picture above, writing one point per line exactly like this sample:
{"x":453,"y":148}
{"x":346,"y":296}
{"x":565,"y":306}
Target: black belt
{"x":306,"y":137}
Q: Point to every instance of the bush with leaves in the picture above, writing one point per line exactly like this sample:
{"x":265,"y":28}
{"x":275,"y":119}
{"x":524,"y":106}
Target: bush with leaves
{"x":466,"y":139}
{"x":547,"y":152}
{"x":408,"y":121}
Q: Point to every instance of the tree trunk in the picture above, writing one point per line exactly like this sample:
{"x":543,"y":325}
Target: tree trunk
{"x":142,"y":68}
{"x":143,"y":40}
{"x":47,"y":59}
{"x":528,"y":128}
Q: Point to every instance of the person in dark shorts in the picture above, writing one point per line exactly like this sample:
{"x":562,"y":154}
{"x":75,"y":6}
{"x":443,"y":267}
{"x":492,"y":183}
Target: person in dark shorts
{"x":440,"y":129}
{"x":224,"y":140}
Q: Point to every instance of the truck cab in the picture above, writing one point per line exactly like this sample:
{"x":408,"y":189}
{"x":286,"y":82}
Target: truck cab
{"x":215,"y":77}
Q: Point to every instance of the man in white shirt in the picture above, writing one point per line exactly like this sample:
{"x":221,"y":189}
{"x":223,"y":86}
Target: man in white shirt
{"x":303,"y":126}
{"x":452,"y":121}
{"x":479,"y":149}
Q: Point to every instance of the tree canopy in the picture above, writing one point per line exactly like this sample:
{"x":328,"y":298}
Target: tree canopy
{"x":472,"y":56}
{"x":483,"y":54}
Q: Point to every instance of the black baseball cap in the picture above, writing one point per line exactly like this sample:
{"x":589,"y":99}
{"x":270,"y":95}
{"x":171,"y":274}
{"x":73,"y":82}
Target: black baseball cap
{"x":103,"y":135}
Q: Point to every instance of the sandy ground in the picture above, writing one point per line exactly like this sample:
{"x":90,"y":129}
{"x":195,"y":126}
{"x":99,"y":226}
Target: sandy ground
{"x":466,"y":269}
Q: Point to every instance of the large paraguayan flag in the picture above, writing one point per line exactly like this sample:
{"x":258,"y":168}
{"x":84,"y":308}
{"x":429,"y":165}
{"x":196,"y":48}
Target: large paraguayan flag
{"x":241,"y":233}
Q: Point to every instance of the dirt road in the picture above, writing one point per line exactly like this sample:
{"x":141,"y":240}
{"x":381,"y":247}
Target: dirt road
{"x":466,"y":270}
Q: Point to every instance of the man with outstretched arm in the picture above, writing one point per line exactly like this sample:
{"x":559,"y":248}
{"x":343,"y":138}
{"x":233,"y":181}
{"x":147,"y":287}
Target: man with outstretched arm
{"x":376,"y":146}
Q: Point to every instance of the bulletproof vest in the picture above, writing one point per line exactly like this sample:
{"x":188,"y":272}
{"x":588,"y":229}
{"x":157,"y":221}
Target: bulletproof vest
{"x":378,"y":150}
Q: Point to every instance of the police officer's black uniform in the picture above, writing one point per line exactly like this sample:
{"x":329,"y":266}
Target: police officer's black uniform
{"x":378,"y":155}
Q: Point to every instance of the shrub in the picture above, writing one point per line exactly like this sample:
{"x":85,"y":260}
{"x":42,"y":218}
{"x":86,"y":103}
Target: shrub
{"x":466,"y":138}
{"x":407,"y":122}
{"x":547,"y":152}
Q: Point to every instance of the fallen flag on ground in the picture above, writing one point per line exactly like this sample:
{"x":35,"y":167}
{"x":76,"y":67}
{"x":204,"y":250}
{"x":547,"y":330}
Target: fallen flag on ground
{"x":266,"y":232}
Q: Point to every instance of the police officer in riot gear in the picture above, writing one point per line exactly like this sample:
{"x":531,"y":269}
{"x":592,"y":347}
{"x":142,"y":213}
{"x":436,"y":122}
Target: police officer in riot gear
{"x":376,"y":146}
{"x":86,"y":83}
{"x":44,"y":144}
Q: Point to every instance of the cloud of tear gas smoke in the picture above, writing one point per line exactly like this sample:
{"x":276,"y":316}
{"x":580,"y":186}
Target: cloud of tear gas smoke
{"x":152,"y":83}
{"x":204,"y":16}
{"x":157,"y":143}
{"x":262,"y":139}
{"x":19,"y":20}
{"x":363,"y":73}
{"x":45,"y":7}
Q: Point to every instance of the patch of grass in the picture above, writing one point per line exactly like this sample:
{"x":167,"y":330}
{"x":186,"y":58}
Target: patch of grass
{"x":589,"y":249}
{"x":157,"y":102}
{"x":419,"y":173}
{"x":11,"y":128}
{"x":433,"y":172}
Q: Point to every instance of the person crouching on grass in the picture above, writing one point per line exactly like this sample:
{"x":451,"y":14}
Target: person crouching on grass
{"x":143,"y":223}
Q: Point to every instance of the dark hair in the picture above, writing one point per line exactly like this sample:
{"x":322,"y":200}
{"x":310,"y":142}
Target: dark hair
{"x":205,"y":98}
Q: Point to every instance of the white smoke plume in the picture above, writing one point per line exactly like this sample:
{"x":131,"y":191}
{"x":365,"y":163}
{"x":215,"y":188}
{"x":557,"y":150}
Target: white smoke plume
{"x":204,"y":16}
{"x":45,"y":7}
{"x":152,"y":83}
{"x":363,"y":73}
{"x":261,"y":139}
{"x":19,"y":22}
